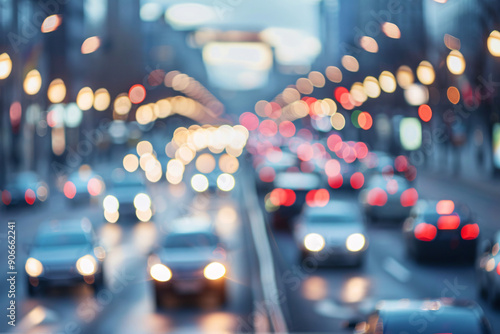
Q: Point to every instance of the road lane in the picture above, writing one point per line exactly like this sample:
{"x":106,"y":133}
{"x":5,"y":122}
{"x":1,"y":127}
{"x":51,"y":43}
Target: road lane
{"x":324,"y":298}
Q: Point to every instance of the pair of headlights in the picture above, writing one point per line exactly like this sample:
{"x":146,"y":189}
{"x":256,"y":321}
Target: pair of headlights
{"x":315,"y":242}
{"x":162,"y":273}
{"x":86,"y":266}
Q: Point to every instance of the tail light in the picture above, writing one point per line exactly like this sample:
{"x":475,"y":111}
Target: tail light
{"x":445,"y":207}
{"x":451,"y":222}
{"x":30,"y":196}
{"x":498,"y":269}
{"x":267,"y":174}
{"x":401,"y":163}
{"x":409,"y":197}
{"x":6,"y":197}
{"x":318,"y":197}
{"x":470,"y":232}
{"x":290,"y":197}
{"x":425,"y":232}
{"x":285,"y":197}
{"x":357,"y":180}
{"x":69,"y":190}
{"x":336,"y":181}
{"x":377,"y":197}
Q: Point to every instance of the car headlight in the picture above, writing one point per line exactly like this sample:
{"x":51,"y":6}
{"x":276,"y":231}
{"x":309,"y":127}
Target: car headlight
{"x":314,"y":242}
{"x":199,"y":182}
{"x":110,"y":203}
{"x":34,"y":268}
{"x":355,"y":242}
{"x":226,"y":182}
{"x":142,"y":202}
{"x":160,"y":272}
{"x":214,"y":270}
{"x":86,"y":265}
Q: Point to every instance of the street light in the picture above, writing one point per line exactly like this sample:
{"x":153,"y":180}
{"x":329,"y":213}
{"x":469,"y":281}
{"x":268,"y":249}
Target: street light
{"x":494,"y":43}
{"x":5,"y":66}
{"x":425,"y":73}
{"x":455,"y":62}
{"x":57,"y":91}
{"x":32,"y":82}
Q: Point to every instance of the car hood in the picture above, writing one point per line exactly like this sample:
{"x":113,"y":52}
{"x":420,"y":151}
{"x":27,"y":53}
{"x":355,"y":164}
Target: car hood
{"x":188,"y":258}
{"x":331,"y":232}
{"x":60,"y":255}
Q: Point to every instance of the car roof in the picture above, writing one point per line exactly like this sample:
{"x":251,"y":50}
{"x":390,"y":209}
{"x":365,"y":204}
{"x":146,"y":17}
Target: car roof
{"x":297,"y":180}
{"x":429,"y":207}
{"x":191,"y":224}
{"x":378,"y":180}
{"x":333,"y":207}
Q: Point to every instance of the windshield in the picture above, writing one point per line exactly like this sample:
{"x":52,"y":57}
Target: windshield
{"x":61,"y":239}
{"x":191,"y":240}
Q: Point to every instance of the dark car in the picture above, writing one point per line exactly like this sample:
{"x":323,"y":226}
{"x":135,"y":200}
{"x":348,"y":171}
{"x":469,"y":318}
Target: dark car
{"x":488,"y":270}
{"x":83,"y":185}
{"x":425,"y":317}
{"x":24,"y":188}
{"x":188,"y":262}
{"x":65,"y":252}
{"x":388,"y":198}
{"x":127,"y":197}
{"x":290,"y":193}
{"x":441,"y":229}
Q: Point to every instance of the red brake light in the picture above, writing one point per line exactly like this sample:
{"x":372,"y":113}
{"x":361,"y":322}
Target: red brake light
{"x":401,"y":163}
{"x":425,"y":232}
{"x":69,"y":190}
{"x":451,"y":222}
{"x":336,"y":181}
{"x":445,"y":207}
{"x":290,"y":197}
{"x":470,"y":231}
{"x":409,"y":197}
{"x":6,"y":197}
{"x":318,"y":197}
{"x":357,"y":180}
{"x":30,"y":196}
{"x":285,"y":197}
{"x":377,"y":197}
{"x":267,"y":174}
{"x":498,"y":269}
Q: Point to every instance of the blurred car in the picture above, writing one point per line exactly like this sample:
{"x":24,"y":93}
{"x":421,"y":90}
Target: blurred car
{"x":213,"y":182}
{"x":24,"y":188}
{"x":441,"y":229}
{"x":381,"y":163}
{"x":333,"y":233}
{"x":270,"y":165}
{"x":291,"y":190}
{"x":127,"y":196}
{"x":388,"y":198}
{"x":425,"y":317}
{"x":64,"y":252}
{"x":81,"y":186}
{"x":488,"y":270}
{"x":351,"y":176}
{"x":188,"y":261}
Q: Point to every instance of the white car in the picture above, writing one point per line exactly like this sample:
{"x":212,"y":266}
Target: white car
{"x":489,"y":271}
{"x":334,"y":233}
